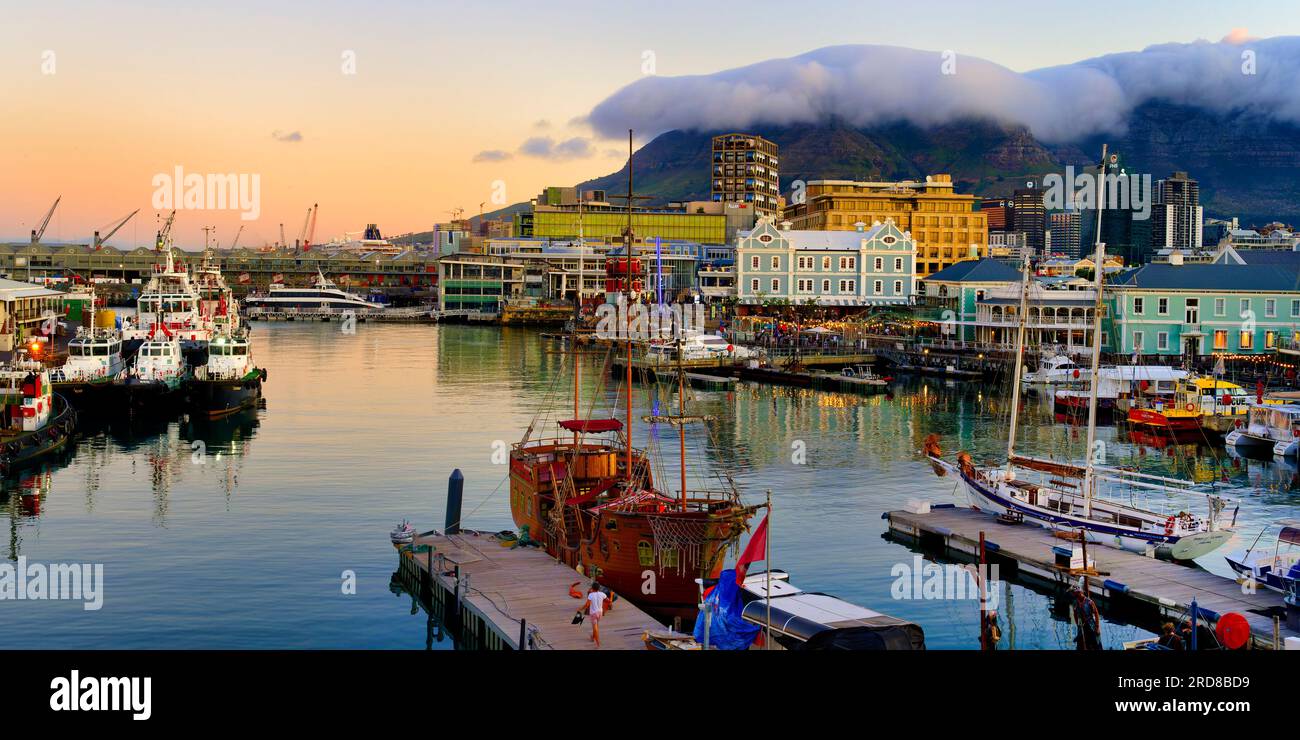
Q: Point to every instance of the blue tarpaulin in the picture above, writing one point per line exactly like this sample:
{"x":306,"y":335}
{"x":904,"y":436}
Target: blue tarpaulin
{"x":728,"y":630}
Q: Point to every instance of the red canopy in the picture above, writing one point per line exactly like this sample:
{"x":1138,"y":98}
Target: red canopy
{"x":592,"y":425}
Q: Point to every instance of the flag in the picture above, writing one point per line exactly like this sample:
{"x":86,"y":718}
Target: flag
{"x":277,"y":278}
{"x":756,"y":550}
{"x":245,"y":277}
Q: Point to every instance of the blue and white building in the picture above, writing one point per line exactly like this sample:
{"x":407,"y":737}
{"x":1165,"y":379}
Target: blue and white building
{"x":873,"y":266}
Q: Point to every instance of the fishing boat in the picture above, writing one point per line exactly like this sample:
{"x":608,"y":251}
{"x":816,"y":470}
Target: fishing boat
{"x":35,"y":421}
{"x":155,"y":377}
{"x":229,"y":380}
{"x":1194,"y":400}
{"x":1094,"y":501}
{"x":1058,"y":370}
{"x":94,"y":360}
{"x":1273,"y":427}
{"x":1272,"y":568}
{"x":589,"y":495}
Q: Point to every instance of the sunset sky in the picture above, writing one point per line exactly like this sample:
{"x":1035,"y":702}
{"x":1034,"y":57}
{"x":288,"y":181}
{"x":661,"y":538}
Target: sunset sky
{"x":139,"y":88}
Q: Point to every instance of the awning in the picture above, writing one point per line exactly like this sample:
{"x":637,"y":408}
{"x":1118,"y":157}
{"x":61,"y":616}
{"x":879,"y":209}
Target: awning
{"x":594,"y":426}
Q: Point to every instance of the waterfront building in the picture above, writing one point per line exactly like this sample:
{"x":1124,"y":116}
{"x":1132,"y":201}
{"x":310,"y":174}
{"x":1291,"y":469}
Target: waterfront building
{"x":598,"y":221}
{"x":998,"y":213}
{"x":1029,"y":217}
{"x":1176,"y":213}
{"x":950,"y":297}
{"x":1215,"y":230}
{"x":478,"y":281}
{"x":864,"y":267}
{"x":1059,"y":320}
{"x":746,"y":170}
{"x":24,"y":307}
{"x":1201,"y":309}
{"x":946,"y":225}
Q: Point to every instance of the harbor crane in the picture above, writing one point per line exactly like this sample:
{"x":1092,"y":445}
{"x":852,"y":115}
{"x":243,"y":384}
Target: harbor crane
{"x":308,"y":229}
{"x":235,"y":243}
{"x":99,"y":240}
{"x":166,"y":230}
{"x":40,"y":232}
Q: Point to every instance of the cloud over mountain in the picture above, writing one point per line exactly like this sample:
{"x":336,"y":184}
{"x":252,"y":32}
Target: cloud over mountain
{"x":864,"y":85}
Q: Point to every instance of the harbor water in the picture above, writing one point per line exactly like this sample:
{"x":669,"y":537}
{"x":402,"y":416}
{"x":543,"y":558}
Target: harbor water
{"x":270,"y":530}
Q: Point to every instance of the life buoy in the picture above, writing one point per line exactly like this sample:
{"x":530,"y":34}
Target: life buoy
{"x":1191,"y":407}
{"x":573,"y":590}
{"x":1169,"y":524}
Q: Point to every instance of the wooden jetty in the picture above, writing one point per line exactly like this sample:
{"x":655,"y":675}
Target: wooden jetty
{"x":1123,"y":580}
{"x":498,"y":598}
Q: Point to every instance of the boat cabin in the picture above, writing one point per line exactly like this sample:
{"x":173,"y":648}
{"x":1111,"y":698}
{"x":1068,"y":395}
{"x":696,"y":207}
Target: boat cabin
{"x":26,"y":395}
{"x":805,"y":620}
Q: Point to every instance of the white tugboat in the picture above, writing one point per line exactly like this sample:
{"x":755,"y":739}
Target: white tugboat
{"x":156,"y":375}
{"x":229,"y":381}
{"x":34,"y":421}
{"x":1092,"y":500}
{"x":169,"y":302}
{"x":94,"y":361}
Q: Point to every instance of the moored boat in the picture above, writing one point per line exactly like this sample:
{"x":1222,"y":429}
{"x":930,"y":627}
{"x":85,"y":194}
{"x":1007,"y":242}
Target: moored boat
{"x":94,"y":360}
{"x":1195,"y":401}
{"x":229,"y":381}
{"x":35,"y":421}
{"x":1272,"y":568}
{"x":1274,"y":427}
{"x":153,"y":381}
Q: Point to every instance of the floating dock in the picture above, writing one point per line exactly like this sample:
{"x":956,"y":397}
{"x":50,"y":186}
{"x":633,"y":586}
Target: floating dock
{"x":1124,"y":579}
{"x":500,"y":598}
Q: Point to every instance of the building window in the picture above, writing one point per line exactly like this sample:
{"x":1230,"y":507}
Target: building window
{"x":753,"y":262}
{"x":753,"y":285}
{"x":898,"y":264}
{"x":1245,"y":307}
{"x":1138,"y":344}
{"x":805,"y":285}
{"x":826,"y":286}
{"x":1221,"y":339}
{"x":776,"y":262}
{"x":880,"y":264}
{"x":1270,"y":307}
{"x":898,"y":287}
{"x":1138,"y":305}
{"x":1270,"y":340}
{"x":1220,"y":307}
{"x":1247,"y":340}
{"x":1162,"y":306}
{"x":826,"y":263}
{"x":1162,"y":340}
{"x":844,"y":263}
{"x":645,"y":554}
{"x":853,"y":263}
{"x":1295,"y":308}
{"x":877,"y":287}
{"x":776,"y":285}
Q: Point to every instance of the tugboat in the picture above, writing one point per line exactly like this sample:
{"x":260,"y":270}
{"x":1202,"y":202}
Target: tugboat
{"x":169,"y":302}
{"x":94,"y":361}
{"x":156,"y":376}
{"x":35,"y":421}
{"x":229,"y":381}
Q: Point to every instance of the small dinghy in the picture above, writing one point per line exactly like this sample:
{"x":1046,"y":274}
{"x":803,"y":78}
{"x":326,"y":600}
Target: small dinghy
{"x":403,"y":534}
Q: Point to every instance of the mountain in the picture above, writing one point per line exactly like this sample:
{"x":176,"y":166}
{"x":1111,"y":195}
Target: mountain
{"x":1246,"y":165}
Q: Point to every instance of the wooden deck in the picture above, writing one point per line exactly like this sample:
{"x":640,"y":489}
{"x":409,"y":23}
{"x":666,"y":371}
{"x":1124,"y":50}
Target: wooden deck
{"x":1163,"y":587}
{"x":501,"y":586}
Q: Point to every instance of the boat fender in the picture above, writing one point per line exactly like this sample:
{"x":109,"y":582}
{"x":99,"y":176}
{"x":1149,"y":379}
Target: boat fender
{"x":1169,"y":524}
{"x":573,"y":590}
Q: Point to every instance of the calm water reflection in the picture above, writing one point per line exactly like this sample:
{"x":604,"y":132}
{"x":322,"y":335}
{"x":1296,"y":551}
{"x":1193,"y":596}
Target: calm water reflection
{"x":239,"y":533}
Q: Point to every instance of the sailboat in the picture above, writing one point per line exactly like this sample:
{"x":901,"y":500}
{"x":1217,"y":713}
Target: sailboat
{"x":1093,"y":499}
{"x":588,"y":496}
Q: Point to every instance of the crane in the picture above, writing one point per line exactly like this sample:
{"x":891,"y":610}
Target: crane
{"x":311,"y":228}
{"x":40,"y":232}
{"x":99,"y":240}
{"x":166,"y":230}
{"x":235,"y":243}
{"x":456,"y":213}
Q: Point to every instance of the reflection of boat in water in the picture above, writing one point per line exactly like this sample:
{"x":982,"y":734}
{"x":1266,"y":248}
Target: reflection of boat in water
{"x":1272,"y":568}
{"x":223,"y":433}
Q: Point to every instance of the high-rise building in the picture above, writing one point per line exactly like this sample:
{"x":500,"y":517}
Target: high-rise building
{"x":946,"y":226}
{"x":1125,"y":229}
{"x":1176,"y":213}
{"x":998,"y":212}
{"x":1066,"y":230}
{"x":746,"y":169}
{"x":1029,"y":217}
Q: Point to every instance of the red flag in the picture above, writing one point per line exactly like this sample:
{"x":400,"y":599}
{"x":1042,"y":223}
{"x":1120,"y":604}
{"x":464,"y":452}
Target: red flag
{"x":756,"y":550}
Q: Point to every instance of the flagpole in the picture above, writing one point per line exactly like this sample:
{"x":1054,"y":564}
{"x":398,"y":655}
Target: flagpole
{"x":767,"y":556}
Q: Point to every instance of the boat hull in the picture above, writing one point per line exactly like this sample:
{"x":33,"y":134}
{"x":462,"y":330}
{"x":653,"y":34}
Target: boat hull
{"x":1157,"y":420}
{"x":25,"y":448}
{"x":220,"y":398}
{"x":86,"y":394}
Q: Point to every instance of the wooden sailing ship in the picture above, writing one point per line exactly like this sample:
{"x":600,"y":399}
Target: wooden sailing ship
{"x":589,"y":496}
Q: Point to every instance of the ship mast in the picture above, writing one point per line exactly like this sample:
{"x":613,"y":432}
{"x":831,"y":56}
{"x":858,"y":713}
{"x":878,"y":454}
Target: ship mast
{"x":627,"y":278}
{"x":1095,"y":373}
{"x":1020,"y":362}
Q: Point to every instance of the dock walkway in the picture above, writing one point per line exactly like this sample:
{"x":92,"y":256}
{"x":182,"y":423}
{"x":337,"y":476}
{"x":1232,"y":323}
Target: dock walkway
{"x":504,"y":592}
{"x":1165,"y":587}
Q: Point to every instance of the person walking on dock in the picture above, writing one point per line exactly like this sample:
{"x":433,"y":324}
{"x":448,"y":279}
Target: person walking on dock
{"x":595,"y":608}
{"x":1087,"y":619}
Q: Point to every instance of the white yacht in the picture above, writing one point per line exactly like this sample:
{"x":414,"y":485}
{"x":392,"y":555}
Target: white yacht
{"x":1273,"y":427}
{"x":698,"y":347}
{"x":1058,"y":370}
{"x":323,"y":296}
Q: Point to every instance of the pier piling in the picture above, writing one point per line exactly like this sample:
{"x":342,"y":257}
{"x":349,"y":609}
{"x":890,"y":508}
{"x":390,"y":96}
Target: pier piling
{"x":455,"y":491}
